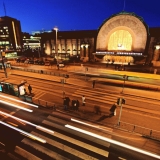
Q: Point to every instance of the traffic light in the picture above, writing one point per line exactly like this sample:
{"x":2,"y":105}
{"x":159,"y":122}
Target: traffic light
{"x":125,"y":77}
{"x":121,"y":101}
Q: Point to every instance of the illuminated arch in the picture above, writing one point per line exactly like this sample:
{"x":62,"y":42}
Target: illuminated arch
{"x":120,"y":40}
{"x":127,"y":22}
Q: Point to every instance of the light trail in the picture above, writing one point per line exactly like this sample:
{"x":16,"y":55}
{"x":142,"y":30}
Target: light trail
{"x":33,"y":105}
{"x":32,"y":124}
{"x":113,"y":141}
{"x":16,"y":106}
{"x":94,"y":126}
{"x":106,"y":129}
{"x":25,"y":133}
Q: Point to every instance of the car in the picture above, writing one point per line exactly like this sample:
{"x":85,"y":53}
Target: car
{"x":47,"y":63}
{"x":61,"y":64}
{"x":31,"y":61}
{"x":26,"y":61}
{"x":36,"y":61}
{"x":41,"y":62}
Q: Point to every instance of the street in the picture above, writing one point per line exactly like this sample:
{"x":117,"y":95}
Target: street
{"x":139,"y":112}
{"x":50,"y":137}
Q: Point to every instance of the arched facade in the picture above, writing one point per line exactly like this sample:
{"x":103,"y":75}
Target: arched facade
{"x":124,"y":33}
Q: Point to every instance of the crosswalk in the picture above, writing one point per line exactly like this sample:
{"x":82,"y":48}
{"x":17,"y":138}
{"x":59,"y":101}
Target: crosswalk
{"x":64,"y":144}
{"x":38,"y":93}
{"x":96,"y":97}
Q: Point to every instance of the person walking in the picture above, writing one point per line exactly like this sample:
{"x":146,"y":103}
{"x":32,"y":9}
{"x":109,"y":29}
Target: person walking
{"x":73,"y":104}
{"x":93,"y":83}
{"x":113,"y":110}
{"x":77,"y":105}
{"x":83,"y":100}
{"x":58,"y":66}
{"x":65,"y":103}
{"x":30,"y":89}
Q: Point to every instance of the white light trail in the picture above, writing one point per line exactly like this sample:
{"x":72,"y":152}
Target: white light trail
{"x":25,"y":133}
{"x":87,"y":124}
{"x":33,"y":105}
{"x":113,"y":141}
{"x":32,"y":124}
{"x":16,"y":106}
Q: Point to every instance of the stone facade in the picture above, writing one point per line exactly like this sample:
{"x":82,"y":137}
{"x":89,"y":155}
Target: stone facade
{"x":125,"y":22}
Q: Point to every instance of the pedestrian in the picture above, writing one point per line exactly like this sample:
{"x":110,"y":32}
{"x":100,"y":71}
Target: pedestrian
{"x":83,"y":100}
{"x":58,"y":66}
{"x":73,"y":104}
{"x":113,"y":110}
{"x":93,"y":83}
{"x":65,"y":103}
{"x":30,"y":89}
{"x":77,"y":105}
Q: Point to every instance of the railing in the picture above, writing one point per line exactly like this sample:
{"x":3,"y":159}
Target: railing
{"x":146,"y":132}
{"x":52,"y":73}
{"x":39,"y":102}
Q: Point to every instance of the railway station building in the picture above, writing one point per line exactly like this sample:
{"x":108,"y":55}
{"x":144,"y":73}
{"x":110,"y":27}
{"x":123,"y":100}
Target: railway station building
{"x":122,"y":38}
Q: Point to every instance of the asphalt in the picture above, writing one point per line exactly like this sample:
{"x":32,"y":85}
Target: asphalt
{"x":86,"y":113}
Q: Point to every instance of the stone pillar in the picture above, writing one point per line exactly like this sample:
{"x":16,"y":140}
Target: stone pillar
{"x":156,"y":55}
{"x":86,"y":50}
{"x":82,"y":51}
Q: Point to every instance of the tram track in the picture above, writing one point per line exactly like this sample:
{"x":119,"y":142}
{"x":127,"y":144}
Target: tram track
{"x":71,"y":91}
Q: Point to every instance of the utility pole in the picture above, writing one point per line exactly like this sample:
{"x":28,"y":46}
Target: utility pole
{"x":120,"y":102}
{"x":125,"y":77}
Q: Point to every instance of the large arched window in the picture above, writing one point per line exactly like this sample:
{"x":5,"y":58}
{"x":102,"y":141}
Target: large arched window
{"x":120,"y":40}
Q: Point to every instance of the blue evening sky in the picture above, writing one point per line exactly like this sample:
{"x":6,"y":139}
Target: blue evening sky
{"x":36,"y":15}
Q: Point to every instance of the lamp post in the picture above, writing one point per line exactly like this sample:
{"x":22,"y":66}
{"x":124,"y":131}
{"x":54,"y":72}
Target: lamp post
{"x":56,"y":29}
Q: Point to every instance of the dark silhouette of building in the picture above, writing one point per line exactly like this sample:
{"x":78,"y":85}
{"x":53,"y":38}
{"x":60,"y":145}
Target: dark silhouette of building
{"x":10,"y":34}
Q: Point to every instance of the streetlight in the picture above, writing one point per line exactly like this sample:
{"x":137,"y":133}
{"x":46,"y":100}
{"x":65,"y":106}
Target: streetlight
{"x":56,"y":29}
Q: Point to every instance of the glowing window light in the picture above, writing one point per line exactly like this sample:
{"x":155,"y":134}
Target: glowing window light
{"x":25,"y":133}
{"x":24,"y":121}
{"x":112,"y":141}
{"x":16,"y":106}
{"x":157,"y":47}
{"x":120,"y":40}
{"x":19,"y":101}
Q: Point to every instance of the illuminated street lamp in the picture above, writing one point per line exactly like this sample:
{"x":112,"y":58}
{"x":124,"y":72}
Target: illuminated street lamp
{"x":56,"y":51}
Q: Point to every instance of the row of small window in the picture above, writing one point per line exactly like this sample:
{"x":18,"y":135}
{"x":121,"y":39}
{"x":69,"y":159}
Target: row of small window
{"x":5,"y":27}
{"x":4,"y":35}
{"x":4,"y":42}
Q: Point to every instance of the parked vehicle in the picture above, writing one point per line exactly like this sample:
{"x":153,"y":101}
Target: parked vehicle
{"x":26,"y":61}
{"x":36,"y":62}
{"x":47,"y":63}
{"x":61,"y":64}
{"x":31,"y":61}
{"x":41,"y":62}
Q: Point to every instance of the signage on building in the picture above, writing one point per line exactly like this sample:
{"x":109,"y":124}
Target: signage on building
{"x":120,"y":53}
